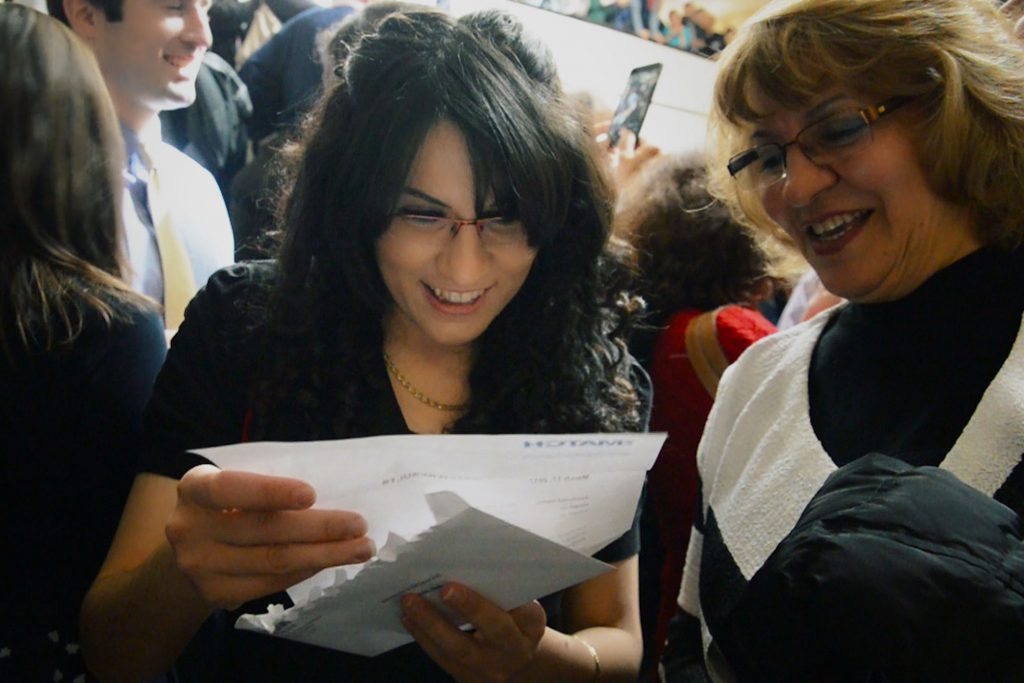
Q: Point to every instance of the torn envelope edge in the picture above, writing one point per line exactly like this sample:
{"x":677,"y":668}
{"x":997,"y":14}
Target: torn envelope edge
{"x":506,"y":564}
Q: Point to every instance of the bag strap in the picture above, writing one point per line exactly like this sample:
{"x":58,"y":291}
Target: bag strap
{"x":706,"y":355}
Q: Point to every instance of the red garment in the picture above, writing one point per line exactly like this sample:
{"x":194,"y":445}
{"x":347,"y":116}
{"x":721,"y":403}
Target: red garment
{"x":681,"y":406}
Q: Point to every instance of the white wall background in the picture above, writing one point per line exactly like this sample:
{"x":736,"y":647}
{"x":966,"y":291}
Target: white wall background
{"x":598,"y":60}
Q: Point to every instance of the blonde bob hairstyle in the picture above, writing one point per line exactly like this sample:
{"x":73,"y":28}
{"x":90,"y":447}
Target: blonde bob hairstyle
{"x":957,"y":59}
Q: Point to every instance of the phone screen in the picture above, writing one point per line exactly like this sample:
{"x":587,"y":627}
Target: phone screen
{"x":634,"y":103}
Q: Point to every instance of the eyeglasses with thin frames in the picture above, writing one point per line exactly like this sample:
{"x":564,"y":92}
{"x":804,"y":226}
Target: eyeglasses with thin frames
{"x":494,"y":231}
{"x":832,"y":140}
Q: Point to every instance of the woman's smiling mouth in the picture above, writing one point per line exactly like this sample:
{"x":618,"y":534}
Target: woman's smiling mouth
{"x":458,"y":298}
{"x":834,"y":227}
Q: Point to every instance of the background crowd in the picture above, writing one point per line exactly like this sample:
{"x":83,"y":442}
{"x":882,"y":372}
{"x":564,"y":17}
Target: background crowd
{"x":684,"y":25}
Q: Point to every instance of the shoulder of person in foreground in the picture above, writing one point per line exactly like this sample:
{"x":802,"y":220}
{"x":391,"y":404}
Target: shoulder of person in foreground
{"x":201,"y":394}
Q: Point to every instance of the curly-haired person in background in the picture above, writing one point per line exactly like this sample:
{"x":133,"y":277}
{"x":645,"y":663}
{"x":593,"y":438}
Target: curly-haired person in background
{"x":78,"y":349}
{"x":448,"y":224}
{"x":701,"y":274}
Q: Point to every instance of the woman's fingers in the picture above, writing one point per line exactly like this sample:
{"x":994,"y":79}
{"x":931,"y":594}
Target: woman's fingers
{"x":454,"y":651}
{"x":238,"y":527}
{"x":213,"y":488}
{"x":238,"y":508}
{"x":503,"y":643}
{"x":227,"y":575}
{"x":531,"y":620}
{"x":277,"y":559}
{"x":239,"y":536}
{"x":494,"y":625}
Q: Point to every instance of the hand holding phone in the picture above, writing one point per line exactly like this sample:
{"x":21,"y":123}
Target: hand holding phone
{"x":632,"y":109}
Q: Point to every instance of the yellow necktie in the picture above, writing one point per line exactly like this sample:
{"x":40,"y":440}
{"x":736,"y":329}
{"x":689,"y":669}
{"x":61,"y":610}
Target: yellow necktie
{"x":179,"y":284}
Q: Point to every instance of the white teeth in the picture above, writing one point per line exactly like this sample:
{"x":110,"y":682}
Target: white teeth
{"x":457,"y":297}
{"x":835,"y":225}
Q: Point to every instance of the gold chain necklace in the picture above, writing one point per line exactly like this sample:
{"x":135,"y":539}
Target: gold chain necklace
{"x":419,"y":395}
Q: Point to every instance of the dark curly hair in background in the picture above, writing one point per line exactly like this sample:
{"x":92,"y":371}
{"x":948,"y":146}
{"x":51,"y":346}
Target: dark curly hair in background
{"x":555,"y":359}
{"x":690,"y":253}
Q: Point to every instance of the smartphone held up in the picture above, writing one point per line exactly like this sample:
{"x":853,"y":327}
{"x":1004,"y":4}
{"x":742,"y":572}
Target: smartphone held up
{"x":632,"y":108}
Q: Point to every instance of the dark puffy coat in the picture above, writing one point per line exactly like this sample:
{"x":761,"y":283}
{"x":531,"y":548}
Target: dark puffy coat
{"x":892,"y":573}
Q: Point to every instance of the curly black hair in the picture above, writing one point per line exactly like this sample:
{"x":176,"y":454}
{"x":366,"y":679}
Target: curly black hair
{"x":554,"y":360}
{"x":690,"y":253}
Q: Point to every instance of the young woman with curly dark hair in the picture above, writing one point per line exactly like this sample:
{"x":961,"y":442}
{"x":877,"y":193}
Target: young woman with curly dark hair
{"x":446,"y":268}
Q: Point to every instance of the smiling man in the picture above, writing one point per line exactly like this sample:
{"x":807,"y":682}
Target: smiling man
{"x":176,"y":226}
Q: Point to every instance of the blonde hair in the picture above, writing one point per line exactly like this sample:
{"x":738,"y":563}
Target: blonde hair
{"x":958,"y":59}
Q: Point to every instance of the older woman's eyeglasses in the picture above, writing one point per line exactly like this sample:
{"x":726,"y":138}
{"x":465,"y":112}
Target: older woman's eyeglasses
{"x":437,"y":230}
{"x":831,"y":140}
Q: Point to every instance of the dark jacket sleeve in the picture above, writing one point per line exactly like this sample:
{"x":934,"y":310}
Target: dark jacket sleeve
{"x":892,"y":572}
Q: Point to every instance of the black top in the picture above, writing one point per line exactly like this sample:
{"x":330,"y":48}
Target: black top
{"x":202,"y":398}
{"x":70,"y":425}
{"x":904,"y":377}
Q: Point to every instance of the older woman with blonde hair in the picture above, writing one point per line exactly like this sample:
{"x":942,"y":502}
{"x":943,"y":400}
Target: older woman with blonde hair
{"x":861,"y":474}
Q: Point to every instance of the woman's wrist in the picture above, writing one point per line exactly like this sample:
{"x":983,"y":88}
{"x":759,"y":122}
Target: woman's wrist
{"x":592,"y":651}
{"x":564,"y":657}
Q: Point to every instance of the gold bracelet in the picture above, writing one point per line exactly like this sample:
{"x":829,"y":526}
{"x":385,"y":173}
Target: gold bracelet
{"x":593,"y":653}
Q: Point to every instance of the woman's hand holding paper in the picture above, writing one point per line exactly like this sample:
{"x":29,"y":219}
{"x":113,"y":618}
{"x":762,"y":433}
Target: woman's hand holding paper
{"x":239,"y":536}
{"x":503,"y":644}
